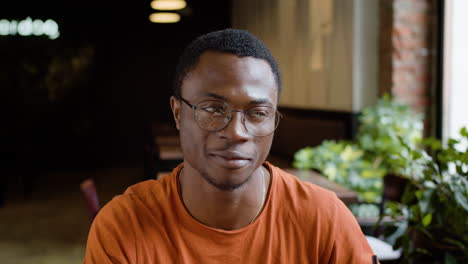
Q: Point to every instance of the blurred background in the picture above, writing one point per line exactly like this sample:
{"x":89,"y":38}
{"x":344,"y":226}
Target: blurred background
{"x":86,"y":86}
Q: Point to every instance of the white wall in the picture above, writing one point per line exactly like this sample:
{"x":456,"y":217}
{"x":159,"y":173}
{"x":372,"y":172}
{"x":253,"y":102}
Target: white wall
{"x":455,"y":106}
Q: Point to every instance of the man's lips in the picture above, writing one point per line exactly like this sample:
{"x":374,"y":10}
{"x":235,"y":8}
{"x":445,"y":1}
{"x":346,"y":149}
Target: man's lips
{"x":231,"y":155}
{"x":229,"y":159}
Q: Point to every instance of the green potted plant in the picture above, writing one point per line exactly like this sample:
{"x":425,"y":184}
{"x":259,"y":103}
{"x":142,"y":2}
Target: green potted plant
{"x":361,"y":164}
{"x":343,"y":162}
{"x":431,"y":222}
{"x":385,"y":128}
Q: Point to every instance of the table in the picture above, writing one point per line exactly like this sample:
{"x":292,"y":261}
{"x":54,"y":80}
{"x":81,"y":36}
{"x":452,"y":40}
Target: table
{"x":346,"y":195}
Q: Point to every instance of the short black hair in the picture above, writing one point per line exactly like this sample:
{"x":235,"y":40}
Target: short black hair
{"x":234,"y":41}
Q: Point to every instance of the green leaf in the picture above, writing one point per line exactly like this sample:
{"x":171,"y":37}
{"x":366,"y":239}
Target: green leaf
{"x":422,"y":251}
{"x":408,"y":196}
{"x":464,"y":132}
{"x":330,"y":172}
{"x":427,"y":220}
{"x":451,"y":142}
{"x":429,"y":184}
{"x":350,"y":154}
{"x":369,"y":196}
{"x":416,"y":154}
{"x":399,"y":232}
{"x":433,"y":143}
{"x":393,"y":206}
{"x":454,"y":242}
{"x":368,"y":174}
{"x":425,"y":232}
{"x":419,"y":194}
{"x":461,"y":200}
{"x":425,"y":200}
{"x":449,"y":259}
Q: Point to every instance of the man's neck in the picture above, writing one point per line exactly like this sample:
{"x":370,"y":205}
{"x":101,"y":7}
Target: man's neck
{"x":223,"y":209}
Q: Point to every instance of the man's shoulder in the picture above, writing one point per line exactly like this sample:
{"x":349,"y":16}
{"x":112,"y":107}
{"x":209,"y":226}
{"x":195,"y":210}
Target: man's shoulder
{"x":144,"y":188}
{"x":309,"y":201}
{"x":147,"y":194}
{"x":305,"y":198}
{"x":303,"y":189}
{"x":324,"y":217}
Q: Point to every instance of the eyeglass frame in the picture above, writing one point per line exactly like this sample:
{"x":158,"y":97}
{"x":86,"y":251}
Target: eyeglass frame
{"x":194,"y":107}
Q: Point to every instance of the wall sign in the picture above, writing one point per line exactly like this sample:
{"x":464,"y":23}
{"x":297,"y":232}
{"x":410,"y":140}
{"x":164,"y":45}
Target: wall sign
{"x":29,"y":27}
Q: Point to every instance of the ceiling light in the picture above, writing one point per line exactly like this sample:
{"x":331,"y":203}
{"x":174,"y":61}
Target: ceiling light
{"x":164,"y":18}
{"x":168,"y":4}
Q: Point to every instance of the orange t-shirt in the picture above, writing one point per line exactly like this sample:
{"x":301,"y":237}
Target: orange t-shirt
{"x":299,"y":223}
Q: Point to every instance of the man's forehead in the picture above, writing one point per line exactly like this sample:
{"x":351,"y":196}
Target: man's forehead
{"x":224,"y":76}
{"x":218,"y":66}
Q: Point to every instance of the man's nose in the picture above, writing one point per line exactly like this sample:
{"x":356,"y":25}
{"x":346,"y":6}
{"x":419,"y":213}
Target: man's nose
{"x":235,"y":129}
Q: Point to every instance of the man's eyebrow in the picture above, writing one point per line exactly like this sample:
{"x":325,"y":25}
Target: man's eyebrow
{"x":216,"y":96}
{"x":260,"y":101}
{"x":255,"y":101}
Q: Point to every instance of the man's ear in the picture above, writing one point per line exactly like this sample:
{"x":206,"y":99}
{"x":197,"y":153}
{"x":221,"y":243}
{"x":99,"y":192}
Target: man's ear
{"x":176,"y":108}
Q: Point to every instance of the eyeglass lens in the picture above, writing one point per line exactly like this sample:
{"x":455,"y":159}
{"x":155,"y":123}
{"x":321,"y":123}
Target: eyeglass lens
{"x":215,"y":116}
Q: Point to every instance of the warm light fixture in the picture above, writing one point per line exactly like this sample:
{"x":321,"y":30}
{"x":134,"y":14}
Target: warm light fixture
{"x":168,"y":4}
{"x":164,"y":17}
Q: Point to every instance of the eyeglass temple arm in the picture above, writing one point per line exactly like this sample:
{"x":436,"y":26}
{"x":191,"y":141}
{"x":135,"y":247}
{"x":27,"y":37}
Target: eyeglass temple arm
{"x":189,"y":104}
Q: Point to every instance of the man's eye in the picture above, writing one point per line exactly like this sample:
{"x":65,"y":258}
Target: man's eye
{"x":214,"y":109}
{"x":259,"y":114}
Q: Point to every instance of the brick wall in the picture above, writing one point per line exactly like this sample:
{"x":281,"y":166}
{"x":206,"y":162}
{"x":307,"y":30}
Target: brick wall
{"x":406,"y":49}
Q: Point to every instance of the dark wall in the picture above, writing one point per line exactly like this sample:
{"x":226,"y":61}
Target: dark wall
{"x":100,"y":112}
{"x":94,"y":114}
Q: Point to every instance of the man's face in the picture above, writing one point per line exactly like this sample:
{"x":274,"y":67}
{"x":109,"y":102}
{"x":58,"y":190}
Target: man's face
{"x":227,"y":158}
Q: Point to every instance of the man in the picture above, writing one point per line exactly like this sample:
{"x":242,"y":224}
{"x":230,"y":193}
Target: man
{"x":225,"y":204}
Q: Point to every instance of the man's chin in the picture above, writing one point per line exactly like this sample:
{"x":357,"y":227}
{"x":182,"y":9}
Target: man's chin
{"x":227,"y":184}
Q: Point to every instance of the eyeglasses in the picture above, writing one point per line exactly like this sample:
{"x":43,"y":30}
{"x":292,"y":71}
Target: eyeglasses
{"x":213,"y":116}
